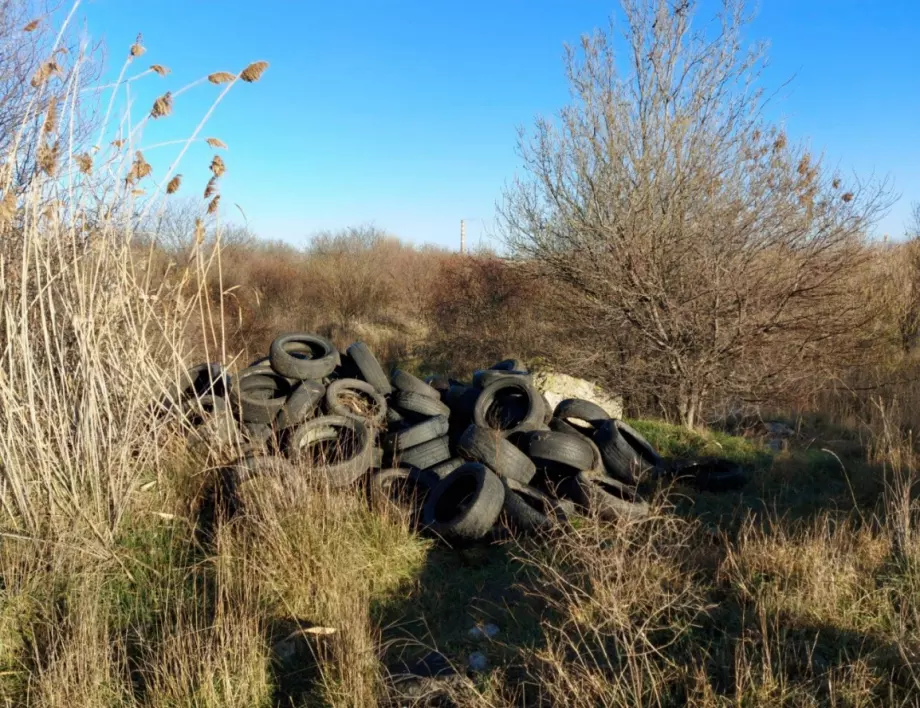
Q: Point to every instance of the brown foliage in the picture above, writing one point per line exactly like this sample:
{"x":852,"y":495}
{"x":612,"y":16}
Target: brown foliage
{"x":709,"y":252}
{"x":483,"y":309}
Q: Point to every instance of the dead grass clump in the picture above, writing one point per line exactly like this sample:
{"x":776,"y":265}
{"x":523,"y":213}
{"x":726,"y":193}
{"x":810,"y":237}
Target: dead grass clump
{"x":822,"y":572}
{"x":620,"y":598}
{"x":316,"y":565}
{"x":80,"y":665}
{"x":225,"y":663}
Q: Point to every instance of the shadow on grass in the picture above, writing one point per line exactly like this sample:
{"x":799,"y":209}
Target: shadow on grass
{"x":797,"y":485}
{"x":785,"y":659}
{"x":459,"y":592}
{"x":743,"y":652}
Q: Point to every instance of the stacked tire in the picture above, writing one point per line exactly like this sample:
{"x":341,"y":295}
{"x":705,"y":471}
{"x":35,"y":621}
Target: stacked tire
{"x":463,"y":458}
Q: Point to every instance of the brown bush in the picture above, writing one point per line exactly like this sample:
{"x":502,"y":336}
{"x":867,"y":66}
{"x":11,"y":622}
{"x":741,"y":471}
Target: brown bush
{"x":355,"y":284}
{"x":663,"y":198}
{"x":482,"y":309}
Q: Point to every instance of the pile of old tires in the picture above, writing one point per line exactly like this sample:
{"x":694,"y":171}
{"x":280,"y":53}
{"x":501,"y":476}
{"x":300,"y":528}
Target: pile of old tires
{"x":464,"y":458}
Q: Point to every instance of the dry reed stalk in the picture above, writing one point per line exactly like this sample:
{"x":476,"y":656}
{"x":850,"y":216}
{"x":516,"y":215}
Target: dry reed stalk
{"x":217,"y":166}
{"x":221,"y":77}
{"x":47,"y":158}
{"x":254,"y":71}
{"x":44,"y":72}
{"x":137,"y":49}
{"x":162,"y":106}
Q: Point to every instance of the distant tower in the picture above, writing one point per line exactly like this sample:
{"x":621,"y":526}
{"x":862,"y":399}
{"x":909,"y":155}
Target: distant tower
{"x":462,"y":236}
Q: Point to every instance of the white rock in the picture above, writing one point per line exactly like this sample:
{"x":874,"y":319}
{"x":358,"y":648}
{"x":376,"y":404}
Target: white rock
{"x":558,"y":387}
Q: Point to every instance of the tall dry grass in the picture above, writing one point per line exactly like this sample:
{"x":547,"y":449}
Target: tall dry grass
{"x":88,"y":343}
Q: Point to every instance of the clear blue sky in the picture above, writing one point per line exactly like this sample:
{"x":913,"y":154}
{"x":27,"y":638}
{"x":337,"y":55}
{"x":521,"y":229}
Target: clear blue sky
{"x":404,"y":113}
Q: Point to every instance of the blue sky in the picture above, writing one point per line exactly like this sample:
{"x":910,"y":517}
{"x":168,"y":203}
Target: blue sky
{"x":404,"y":113}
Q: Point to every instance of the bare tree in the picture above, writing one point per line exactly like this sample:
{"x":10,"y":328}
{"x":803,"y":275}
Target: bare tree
{"x":35,"y":79}
{"x":689,"y":229}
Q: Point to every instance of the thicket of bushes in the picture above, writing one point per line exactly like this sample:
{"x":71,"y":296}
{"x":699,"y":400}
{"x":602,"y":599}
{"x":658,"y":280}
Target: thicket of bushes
{"x":443,"y":311}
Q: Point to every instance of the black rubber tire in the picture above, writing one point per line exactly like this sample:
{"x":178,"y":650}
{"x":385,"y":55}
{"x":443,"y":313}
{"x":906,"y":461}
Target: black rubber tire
{"x":286,"y":357}
{"x":509,"y":365}
{"x":438,"y":383}
{"x":488,"y":447}
{"x":403,"y":381}
{"x":265,"y":366}
{"x":345,"y":370}
{"x":531,"y":418}
{"x":261,"y":363}
{"x":196,"y":409}
{"x":559,"y":452}
{"x":561,"y":426}
{"x":484,"y":377}
{"x":251,"y":466}
{"x":394,"y":417}
{"x":338,"y":430}
{"x":205,"y":379}
{"x":529,"y":510}
{"x":335,"y":405}
{"x":462,"y":401}
{"x":416,"y":434}
{"x":369,"y":368}
{"x":233,"y":479}
{"x":426,"y":455}
{"x":215,"y":432}
{"x":577,"y":409}
{"x":259,"y":394}
{"x":623,"y":460}
{"x":464,"y":505}
{"x":405,"y":488}
{"x":605,"y":497}
{"x":558,"y":425}
{"x":257,"y":433}
{"x":442,"y":469}
{"x":199,"y":380}
{"x":638,"y":443}
{"x":300,"y":405}
{"x":412,"y":402}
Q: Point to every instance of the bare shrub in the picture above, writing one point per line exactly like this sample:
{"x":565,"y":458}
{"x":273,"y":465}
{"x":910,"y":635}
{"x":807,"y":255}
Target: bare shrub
{"x":482,"y":309}
{"x":36,"y":76}
{"x":678,"y":214}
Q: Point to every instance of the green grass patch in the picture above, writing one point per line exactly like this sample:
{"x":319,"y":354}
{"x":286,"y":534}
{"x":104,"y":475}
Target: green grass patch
{"x":676,"y":441}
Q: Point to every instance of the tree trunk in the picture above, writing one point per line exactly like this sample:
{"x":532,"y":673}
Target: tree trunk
{"x":690,"y":406}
